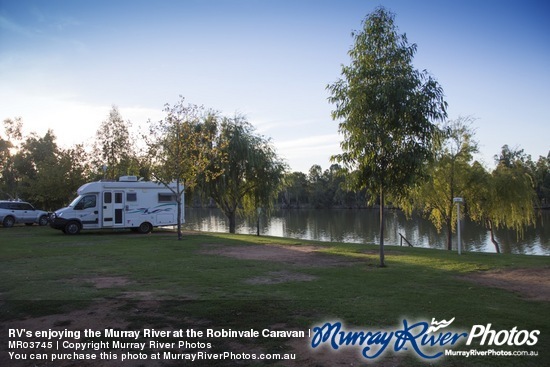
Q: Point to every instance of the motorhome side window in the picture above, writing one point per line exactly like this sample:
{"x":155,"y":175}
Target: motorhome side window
{"x":167,"y":197}
{"x":131,"y":196}
{"x":88,"y":201}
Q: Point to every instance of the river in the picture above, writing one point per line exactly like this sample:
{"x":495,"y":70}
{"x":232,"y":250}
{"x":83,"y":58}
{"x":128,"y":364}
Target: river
{"x":362,"y":226}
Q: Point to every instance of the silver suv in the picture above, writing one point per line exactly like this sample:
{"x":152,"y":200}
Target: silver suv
{"x":12,"y":212}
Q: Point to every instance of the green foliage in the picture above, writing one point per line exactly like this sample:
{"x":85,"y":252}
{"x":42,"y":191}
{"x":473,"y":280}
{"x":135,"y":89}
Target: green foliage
{"x":39,"y":171}
{"x":319,"y":189}
{"x":294,"y":193}
{"x":180,"y":147}
{"x":449,"y":176}
{"x":541,"y":176}
{"x":505,"y":197}
{"x":113,"y":152}
{"x":248,"y":171}
{"x":385,"y":108}
{"x":10,"y":179}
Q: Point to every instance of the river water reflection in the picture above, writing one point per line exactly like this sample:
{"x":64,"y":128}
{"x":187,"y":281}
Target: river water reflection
{"x":362,"y":226}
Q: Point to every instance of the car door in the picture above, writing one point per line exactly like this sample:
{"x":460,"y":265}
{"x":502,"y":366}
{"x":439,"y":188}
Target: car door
{"x":26,"y":212}
{"x":88,"y":213}
{"x":19,"y":211}
{"x":13,"y":210}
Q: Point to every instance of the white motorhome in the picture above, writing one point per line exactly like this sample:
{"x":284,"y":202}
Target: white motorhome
{"x":127,"y":203}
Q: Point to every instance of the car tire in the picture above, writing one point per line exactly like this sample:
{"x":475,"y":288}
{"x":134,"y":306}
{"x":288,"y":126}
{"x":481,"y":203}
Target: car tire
{"x":72,"y":228}
{"x":8,"y":222}
{"x":145,"y":228}
{"x":43,"y":220}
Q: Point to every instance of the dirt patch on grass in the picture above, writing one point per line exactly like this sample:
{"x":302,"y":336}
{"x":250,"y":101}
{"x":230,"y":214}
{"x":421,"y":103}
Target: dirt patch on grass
{"x":109,"y":282}
{"x":306,"y":256}
{"x":531,"y":283}
{"x":277,"y":277}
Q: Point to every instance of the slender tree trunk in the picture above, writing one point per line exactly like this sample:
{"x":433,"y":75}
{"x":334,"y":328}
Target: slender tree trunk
{"x":258,"y":224}
{"x":180,"y":235}
{"x":450,"y":208}
{"x":232,"y":221}
{"x":450,"y":233}
{"x":382,"y":263}
{"x":178,"y":201}
{"x":493,"y":240}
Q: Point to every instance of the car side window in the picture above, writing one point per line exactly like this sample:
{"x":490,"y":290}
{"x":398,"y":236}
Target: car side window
{"x":25,"y":206}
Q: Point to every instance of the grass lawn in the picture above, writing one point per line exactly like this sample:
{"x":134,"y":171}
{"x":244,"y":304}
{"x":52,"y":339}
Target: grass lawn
{"x":124,"y":281}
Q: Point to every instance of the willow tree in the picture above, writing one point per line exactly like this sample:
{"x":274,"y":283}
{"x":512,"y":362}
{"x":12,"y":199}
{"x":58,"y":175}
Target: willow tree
{"x":504,"y":198}
{"x":386,"y":111}
{"x":181,"y":148}
{"x":250,"y":172}
{"x":449,"y":176}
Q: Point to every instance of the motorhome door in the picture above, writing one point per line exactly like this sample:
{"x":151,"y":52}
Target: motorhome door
{"x":113,"y":208}
{"x":119,"y":208}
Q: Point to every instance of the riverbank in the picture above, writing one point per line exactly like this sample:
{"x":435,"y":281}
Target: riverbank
{"x":362,"y":226}
{"x":123,"y":281}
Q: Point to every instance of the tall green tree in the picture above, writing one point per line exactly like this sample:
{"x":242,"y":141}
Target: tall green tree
{"x":448,"y":176}
{"x":10,"y":180}
{"x":114,"y":149}
{"x":74,"y":170}
{"x":250,"y":172}
{"x":36,"y":163}
{"x":386,"y":110}
{"x":181,"y":148}
{"x":48,"y":176}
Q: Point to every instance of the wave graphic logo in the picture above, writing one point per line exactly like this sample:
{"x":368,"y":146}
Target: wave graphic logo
{"x":439,"y":325}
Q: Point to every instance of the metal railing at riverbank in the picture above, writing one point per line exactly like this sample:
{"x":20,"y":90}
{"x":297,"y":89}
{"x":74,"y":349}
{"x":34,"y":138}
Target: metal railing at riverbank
{"x":403,"y":238}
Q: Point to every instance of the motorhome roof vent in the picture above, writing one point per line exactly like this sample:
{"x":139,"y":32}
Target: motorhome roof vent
{"x":128,"y":178}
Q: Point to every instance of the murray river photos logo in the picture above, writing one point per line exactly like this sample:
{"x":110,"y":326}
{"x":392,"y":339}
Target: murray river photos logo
{"x":427,"y":340}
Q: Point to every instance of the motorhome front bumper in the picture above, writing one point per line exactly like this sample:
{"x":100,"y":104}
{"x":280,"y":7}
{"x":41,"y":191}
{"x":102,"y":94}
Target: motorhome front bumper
{"x":57,"y":222}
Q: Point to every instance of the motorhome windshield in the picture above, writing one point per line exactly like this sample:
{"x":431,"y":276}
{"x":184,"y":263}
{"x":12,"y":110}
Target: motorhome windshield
{"x":75,"y":201}
{"x":84,"y":202}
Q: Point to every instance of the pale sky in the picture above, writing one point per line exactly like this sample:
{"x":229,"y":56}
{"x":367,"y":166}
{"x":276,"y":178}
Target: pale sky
{"x":64,"y":63}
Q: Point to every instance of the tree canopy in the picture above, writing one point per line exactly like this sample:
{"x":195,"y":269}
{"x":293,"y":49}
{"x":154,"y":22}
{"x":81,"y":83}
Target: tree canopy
{"x":113,"y":148}
{"x":448,"y":176}
{"x":504,"y":198}
{"x":386,"y":111}
{"x":36,"y":169}
{"x":180,"y":148}
{"x":249,"y":171}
